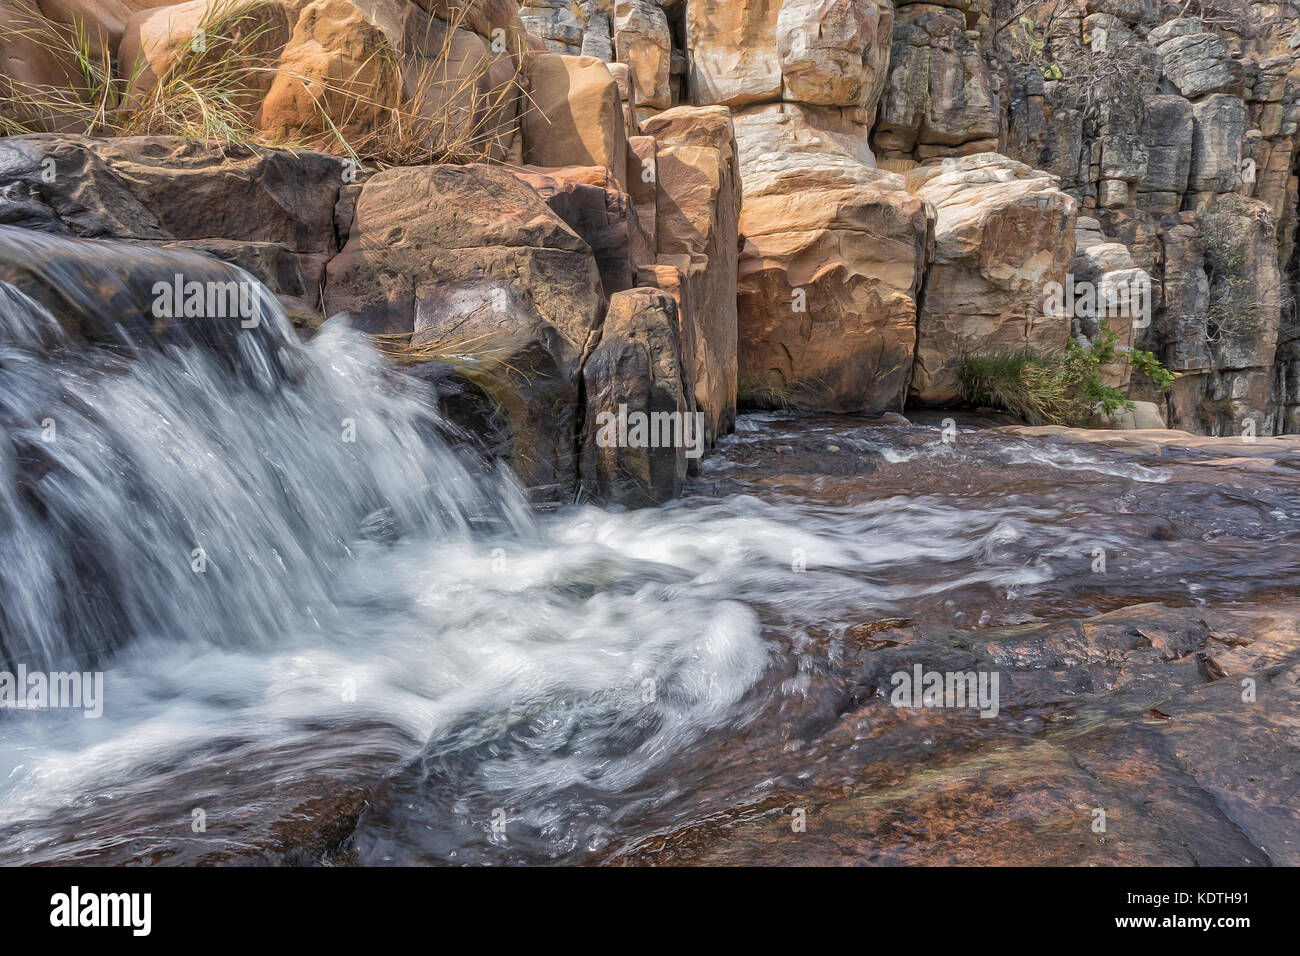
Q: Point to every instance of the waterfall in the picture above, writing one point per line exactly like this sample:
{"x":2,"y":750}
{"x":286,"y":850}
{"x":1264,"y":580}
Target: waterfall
{"x":201,"y":478}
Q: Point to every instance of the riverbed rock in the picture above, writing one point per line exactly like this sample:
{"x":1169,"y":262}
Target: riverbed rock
{"x":123,"y":293}
{"x":641,"y":430}
{"x":1002,"y":232}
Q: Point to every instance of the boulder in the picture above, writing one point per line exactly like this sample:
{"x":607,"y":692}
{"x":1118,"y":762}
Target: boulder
{"x":432,"y":238}
{"x":594,"y":207}
{"x":774,"y":142}
{"x":339,"y":69}
{"x":643,"y":42}
{"x":389,"y":79}
{"x":829,"y":274}
{"x":469,"y":262}
{"x":1143,"y":415}
{"x":102,"y":20}
{"x":154,"y":40}
{"x":834,"y":52}
{"x":697,"y":216}
{"x":170,"y":187}
{"x":555,"y":22}
{"x":625,"y":78}
{"x":1002,"y":232}
{"x":108,"y":293}
{"x":732,"y":48}
{"x":29,"y":67}
{"x":494,"y":20}
{"x":1195,"y":60}
{"x":576,"y":115}
{"x":641,"y":430}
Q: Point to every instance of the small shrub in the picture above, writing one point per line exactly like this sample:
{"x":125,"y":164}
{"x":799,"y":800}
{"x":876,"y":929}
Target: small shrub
{"x":1232,"y":309}
{"x":1055,"y":389}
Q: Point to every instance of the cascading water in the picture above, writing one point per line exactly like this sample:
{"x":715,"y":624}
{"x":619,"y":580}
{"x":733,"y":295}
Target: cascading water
{"x":256,"y":539}
{"x":189,"y":494}
{"x":381,"y":655}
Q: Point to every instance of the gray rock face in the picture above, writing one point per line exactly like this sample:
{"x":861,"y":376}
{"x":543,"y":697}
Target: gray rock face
{"x":1124,"y":157}
{"x":939,"y":92}
{"x":1168,"y":140}
{"x":556,"y":23}
{"x":1196,"y":61}
{"x":1218,"y":129}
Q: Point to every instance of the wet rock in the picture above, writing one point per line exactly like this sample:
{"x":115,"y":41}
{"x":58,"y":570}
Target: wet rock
{"x":109,"y":293}
{"x":170,"y":188}
{"x":640,"y":430}
{"x":935,"y":788}
{"x":470,"y":262}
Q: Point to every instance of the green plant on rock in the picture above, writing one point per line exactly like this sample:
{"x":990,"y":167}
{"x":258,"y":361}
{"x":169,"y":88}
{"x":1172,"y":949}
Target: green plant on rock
{"x":1055,"y":388}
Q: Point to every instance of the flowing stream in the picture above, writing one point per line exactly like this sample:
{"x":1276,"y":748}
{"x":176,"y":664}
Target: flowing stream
{"x":327,"y":637}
